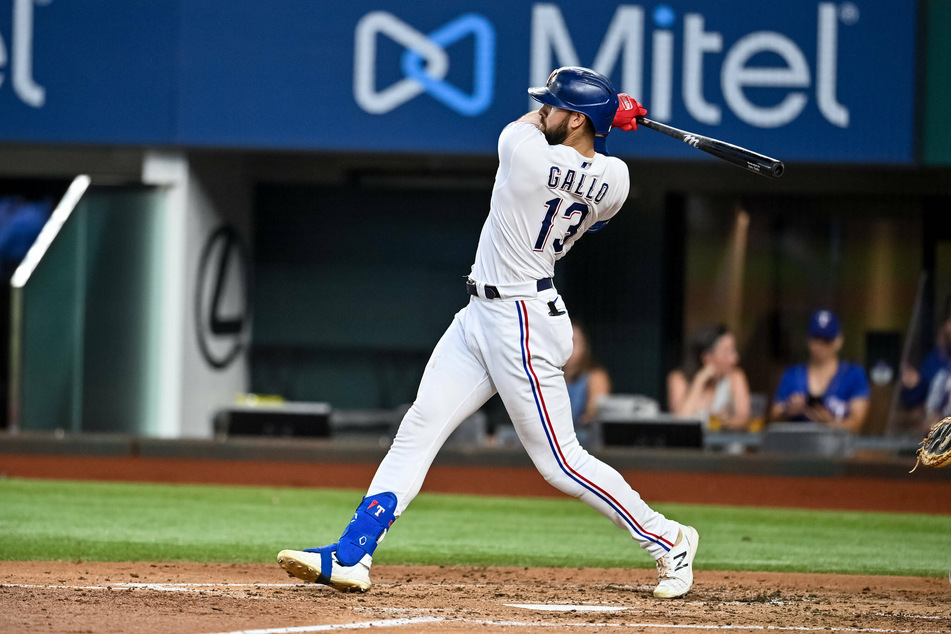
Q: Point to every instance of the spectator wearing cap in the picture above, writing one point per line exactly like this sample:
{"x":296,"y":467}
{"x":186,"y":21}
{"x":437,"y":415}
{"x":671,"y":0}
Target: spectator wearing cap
{"x":825,"y":389}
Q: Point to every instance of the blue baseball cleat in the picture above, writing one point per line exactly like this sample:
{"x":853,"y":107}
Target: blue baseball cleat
{"x":320,"y":565}
{"x":346,"y":564}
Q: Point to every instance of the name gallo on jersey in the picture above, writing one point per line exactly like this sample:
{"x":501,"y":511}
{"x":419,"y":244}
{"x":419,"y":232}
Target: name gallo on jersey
{"x":587,"y":188}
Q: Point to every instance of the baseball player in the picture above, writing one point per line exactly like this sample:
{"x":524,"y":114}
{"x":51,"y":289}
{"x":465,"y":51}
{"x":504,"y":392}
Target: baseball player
{"x":514,"y":337}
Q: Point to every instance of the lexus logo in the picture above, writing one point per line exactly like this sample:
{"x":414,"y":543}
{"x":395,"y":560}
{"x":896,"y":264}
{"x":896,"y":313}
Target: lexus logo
{"x":221,"y":298}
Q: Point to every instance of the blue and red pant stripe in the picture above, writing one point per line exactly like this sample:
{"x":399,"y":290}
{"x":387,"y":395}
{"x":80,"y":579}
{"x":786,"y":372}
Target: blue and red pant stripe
{"x":555,"y":446}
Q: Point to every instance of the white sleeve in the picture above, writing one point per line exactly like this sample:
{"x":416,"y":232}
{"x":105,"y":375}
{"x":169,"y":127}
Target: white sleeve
{"x":513,"y":137}
{"x":618,"y":195}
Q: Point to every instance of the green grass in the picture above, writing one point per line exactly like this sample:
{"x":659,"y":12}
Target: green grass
{"x":93,"y":521}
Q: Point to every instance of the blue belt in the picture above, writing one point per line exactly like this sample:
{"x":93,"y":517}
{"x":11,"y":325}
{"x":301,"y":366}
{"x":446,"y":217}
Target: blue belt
{"x":492,"y":292}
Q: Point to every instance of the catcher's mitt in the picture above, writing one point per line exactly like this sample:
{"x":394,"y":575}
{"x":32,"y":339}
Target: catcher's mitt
{"x":935,"y":449}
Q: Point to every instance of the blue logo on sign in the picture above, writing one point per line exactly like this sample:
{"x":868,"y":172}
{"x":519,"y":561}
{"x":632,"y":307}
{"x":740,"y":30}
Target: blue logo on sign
{"x":481,"y":97}
{"x":425,"y":63}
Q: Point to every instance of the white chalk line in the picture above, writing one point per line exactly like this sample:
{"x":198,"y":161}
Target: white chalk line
{"x":563,"y":607}
{"x":364,"y":625}
{"x":499,"y":623}
{"x":909,"y":616}
{"x":159,"y":587}
{"x":120,"y":584}
{"x":681,"y":626}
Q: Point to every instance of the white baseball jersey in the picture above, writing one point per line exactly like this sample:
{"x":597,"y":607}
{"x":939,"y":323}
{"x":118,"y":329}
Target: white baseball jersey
{"x":515,"y":343}
{"x":545,"y":197}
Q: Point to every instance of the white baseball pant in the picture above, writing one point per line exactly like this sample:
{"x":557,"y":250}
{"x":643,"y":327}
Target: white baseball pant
{"x":516,"y":348}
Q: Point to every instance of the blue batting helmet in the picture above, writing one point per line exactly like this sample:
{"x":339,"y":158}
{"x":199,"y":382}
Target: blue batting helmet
{"x":581,"y":90}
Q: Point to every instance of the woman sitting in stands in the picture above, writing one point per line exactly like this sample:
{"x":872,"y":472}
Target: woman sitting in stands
{"x":710,"y":385}
{"x":826,"y":389}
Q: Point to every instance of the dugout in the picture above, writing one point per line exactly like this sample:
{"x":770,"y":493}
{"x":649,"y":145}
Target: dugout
{"x":857,"y":240}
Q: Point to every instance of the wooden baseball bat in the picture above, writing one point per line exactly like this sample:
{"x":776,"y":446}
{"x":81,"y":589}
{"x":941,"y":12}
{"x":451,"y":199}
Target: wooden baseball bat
{"x":741,"y":157}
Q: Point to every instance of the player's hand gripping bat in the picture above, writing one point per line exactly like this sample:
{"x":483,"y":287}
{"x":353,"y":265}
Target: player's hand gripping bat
{"x":630,"y":114}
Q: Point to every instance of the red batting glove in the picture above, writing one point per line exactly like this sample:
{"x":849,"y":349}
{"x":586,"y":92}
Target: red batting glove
{"x":627,"y":110}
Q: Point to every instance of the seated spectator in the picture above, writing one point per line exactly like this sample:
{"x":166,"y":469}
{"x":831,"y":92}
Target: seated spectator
{"x":710,"y":384}
{"x":825,"y":389}
{"x":929,"y":386}
{"x":587,"y":382}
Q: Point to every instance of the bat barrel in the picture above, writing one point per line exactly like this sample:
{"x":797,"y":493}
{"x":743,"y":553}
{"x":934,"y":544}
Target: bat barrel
{"x":739,"y":156}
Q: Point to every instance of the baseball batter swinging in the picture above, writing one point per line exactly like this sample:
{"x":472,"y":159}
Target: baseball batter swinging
{"x":514,"y":336}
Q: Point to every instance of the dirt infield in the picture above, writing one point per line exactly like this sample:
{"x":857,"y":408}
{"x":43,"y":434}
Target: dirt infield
{"x":212,"y":598}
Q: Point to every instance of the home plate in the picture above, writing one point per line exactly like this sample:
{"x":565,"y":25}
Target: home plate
{"x":554,"y":607}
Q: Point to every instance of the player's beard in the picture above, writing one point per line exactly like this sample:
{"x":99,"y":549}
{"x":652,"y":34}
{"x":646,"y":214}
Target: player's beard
{"x":557,"y":136}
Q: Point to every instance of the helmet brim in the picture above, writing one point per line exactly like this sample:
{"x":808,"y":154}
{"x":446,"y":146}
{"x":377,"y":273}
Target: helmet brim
{"x":544,"y":96}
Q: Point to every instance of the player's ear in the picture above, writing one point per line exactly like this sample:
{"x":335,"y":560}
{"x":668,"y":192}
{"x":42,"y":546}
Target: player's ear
{"x":577,"y":120}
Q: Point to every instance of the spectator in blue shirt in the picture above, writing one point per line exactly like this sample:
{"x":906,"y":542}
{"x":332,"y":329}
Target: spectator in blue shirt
{"x":930,"y":384}
{"x":826,"y":389}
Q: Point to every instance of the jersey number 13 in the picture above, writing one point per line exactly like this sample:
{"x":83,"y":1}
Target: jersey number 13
{"x":579,"y":209}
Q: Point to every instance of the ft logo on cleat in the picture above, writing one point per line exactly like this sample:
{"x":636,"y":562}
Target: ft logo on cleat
{"x":680,"y":559}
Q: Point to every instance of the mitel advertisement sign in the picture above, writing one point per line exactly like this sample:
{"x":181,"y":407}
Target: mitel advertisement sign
{"x":805,"y":81}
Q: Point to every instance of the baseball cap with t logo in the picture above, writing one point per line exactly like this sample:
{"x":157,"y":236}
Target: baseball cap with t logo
{"x":824,"y":325}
